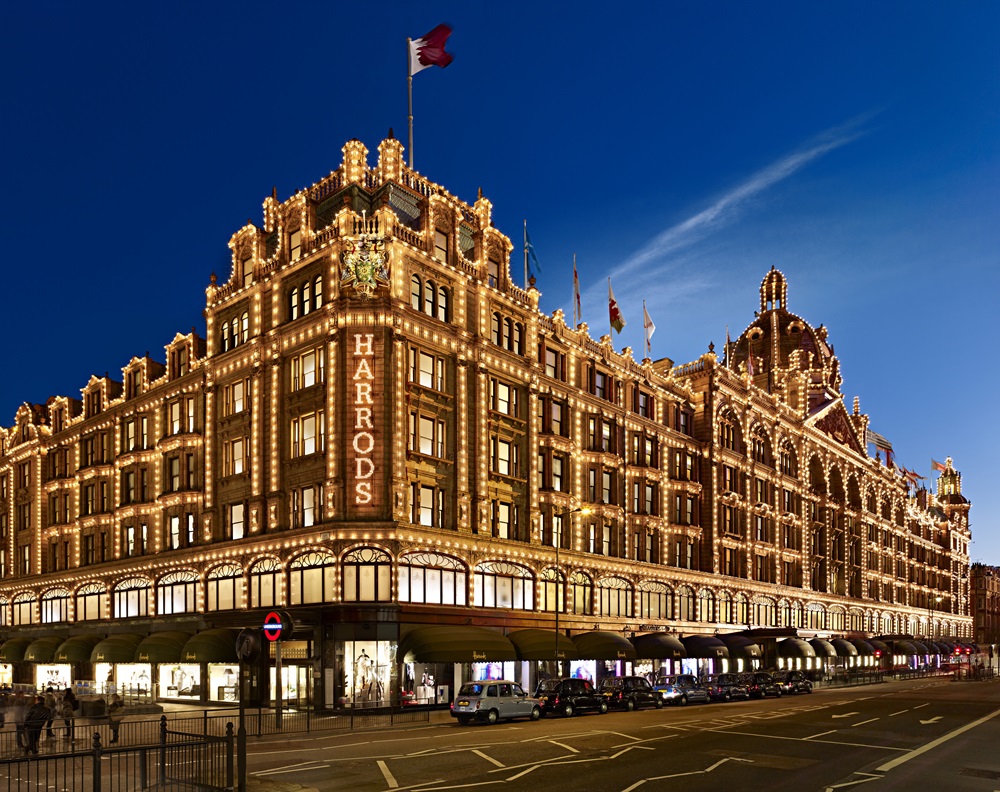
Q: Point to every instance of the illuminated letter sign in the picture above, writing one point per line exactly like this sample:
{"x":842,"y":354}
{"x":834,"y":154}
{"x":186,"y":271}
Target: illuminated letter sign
{"x":363,"y":442}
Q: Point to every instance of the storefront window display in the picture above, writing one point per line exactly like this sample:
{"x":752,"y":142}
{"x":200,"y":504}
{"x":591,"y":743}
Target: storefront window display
{"x":223,"y":683}
{"x":421,"y":681}
{"x":55,"y":676}
{"x":366,"y":671}
{"x":180,"y":681}
{"x":6,"y":675}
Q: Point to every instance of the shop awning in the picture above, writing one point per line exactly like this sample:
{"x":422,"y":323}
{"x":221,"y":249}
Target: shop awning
{"x":940,"y":648}
{"x":211,"y":646}
{"x":76,"y":649}
{"x":864,"y":648}
{"x":452,"y":643}
{"x":162,"y":647}
{"x":879,"y":646}
{"x":921,"y":648}
{"x":13,"y":649}
{"x":42,"y":650}
{"x":705,"y":647}
{"x":795,"y":647}
{"x":603,"y":645}
{"x":541,"y":645}
{"x":658,"y":646}
{"x":844,"y":648}
{"x":822,"y":647}
{"x":116,"y":649}
{"x":740,"y":646}
{"x":904,"y":648}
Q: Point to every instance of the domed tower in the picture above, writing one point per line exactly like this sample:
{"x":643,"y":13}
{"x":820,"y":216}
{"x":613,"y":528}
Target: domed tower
{"x":784,"y":354}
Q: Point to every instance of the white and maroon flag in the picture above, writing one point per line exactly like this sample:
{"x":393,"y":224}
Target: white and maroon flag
{"x":428,"y":50}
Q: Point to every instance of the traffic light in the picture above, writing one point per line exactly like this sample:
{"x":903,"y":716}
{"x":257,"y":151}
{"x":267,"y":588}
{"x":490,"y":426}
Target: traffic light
{"x":958,"y":652}
{"x":878,"y":653}
{"x":968,"y":650}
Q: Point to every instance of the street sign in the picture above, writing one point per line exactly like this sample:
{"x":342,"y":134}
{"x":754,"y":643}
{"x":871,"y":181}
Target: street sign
{"x":277,"y":625}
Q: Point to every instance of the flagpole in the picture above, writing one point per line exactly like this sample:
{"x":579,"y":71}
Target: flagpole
{"x":409,"y":94}
{"x":611,"y":328}
{"x":525,"y":253}
{"x":576,"y":301}
{"x":645,"y":330}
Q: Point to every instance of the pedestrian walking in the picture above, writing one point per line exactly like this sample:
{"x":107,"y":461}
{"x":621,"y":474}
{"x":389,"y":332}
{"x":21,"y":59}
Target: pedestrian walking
{"x":34,"y":721}
{"x":50,"y":703}
{"x":16,"y":711}
{"x":116,"y":713}
{"x":66,"y":710}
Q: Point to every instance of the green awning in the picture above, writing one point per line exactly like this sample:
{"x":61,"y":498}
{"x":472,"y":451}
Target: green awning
{"x":706,"y":647}
{"x":864,"y":648}
{"x":116,"y":649}
{"x":879,"y":646}
{"x":162,"y":647}
{"x":904,"y":648}
{"x":541,"y":645}
{"x":921,"y":648}
{"x":211,"y":646}
{"x":447,"y":643}
{"x":740,"y":646}
{"x":603,"y":645}
{"x":76,"y":649}
{"x":795,"y":647}
{"x":823,"y":648}
{"x":13,"y":649}
{"x":42,"y":650}
{"x":658,"y":646}
{"x":844,"y":648}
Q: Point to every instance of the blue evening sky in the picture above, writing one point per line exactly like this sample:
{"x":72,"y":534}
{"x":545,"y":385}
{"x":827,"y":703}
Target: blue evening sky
{"x":681,"y":148}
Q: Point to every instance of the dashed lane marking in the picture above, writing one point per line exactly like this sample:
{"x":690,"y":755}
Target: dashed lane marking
{"x":389,"y":778}
{"x":862,"y":723}
{"x":488,"y":758}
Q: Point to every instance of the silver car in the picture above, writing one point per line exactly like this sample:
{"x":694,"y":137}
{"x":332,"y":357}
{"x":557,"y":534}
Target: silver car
{"x":493,"y":700}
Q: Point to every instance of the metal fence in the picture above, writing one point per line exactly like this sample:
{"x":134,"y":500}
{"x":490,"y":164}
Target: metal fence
{"x":174,"y":762}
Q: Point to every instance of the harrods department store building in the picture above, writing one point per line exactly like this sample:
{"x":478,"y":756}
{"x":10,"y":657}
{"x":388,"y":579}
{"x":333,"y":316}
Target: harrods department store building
{"x":381,"y":434}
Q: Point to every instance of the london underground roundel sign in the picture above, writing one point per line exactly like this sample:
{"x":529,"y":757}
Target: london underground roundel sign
{"x":277,"y":625}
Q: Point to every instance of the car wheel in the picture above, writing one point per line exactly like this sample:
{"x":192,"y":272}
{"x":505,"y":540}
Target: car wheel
{"x":658,"y":703}
{"x":568,"y":711}
{"x":492,"y":716}
{"x":535,"y":713}
{"x":604,"y":707}
{"x":629,"y":705}
{"x":463,"y":720}
{"x":683,"y":700}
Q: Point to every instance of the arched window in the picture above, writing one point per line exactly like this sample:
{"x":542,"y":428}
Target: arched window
{"x":244,"y":327}
{"x":742,"y":609}
{"x":727,"y":612}
{"x":4,"y":612}
{"x":728,"y":431}
{"x":706,"y":606}
{"x":495,"y":330}
{"x":416,"y":289}
{"x":582,"y":590}
{"x":131,"y":598}
{"x":815,"y":617}
{"x":311,"y":578}
{"x":224,"y":588}
{"x":765,"y":613}
{"x":518,"y":341}
{"x":306,"y":298}
{"x":656,"y":601}
{"x":442,"y":306}
{"x":432,"y":578}
{"x":788,"y":463}
{"x":318,"y":293}
{"x":55,"y":606}
{"x":293,"y":307}
{"x":265,"y":583}
{"x":430,"y":290}
{"x":685,"y":604}
{"x":23,"y":609}
{"x":367,"y":575}
{"x":224,"y":336}
{"x":175,"y":593}
{"x":551,"y":590}
{"x":91,"y":602}
{"x":499,"y":584}
{"x":760,"y":446}
{"x":614,"y":597}
{"x":508,"y":333}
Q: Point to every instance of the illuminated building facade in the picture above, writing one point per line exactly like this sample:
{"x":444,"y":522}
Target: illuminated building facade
{"x":381,"y":434}
{"x":986,"y":612}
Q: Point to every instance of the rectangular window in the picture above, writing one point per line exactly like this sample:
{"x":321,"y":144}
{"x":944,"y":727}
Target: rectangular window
{"x":236,"y":523}
{"x":440,"y":245}
{"x":426,"y":370}
{"x":174,"y":532}
{"x":601,"y":385}
{"x":307,"y":506}
{"x":644,"y":404}
{"x":234,"y":457}
{"x":555,"y":364}
{"x":558,"y":478}
{"x":235,"y":396}
{"x":308,"y":369}
{"x":294,"y":244}
{"x":503,"y":398}
{"x":129,"y":438}
{"x":308,"y":434}
{"x":493,"y":272}
{"x":428,"y":505}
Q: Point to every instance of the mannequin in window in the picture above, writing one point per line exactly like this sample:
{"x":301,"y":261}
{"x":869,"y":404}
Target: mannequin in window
{"x":363,"y":670}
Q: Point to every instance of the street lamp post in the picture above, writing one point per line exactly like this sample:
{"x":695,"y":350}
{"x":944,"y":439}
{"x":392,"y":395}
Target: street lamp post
{"x":559,"y":583}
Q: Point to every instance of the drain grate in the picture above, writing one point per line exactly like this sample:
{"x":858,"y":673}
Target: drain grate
{"x":975,"y":772}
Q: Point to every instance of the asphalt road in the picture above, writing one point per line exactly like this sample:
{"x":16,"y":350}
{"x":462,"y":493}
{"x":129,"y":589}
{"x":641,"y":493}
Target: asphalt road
{"x":918,"y":735}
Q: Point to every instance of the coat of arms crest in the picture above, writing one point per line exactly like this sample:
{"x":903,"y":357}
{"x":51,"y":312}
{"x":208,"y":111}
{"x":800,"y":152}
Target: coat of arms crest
{"x":366,"y":264}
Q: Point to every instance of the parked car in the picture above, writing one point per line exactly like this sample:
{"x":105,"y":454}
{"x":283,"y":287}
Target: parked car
{"x":493,"y":700}
{"x":681,"y":689}
{"x":629,"y":693}
{"x":569,"y":696}
{"x":794,"y":682}
{"x":761,"y":684}
{"x":727,"y":687}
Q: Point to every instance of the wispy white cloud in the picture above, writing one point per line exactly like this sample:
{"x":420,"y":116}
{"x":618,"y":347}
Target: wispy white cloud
{"x":727,"y":207}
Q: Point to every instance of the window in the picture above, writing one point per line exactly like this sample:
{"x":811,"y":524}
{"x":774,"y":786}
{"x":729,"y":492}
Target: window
{"x":180,"y":416}
{"x":175,"y":593}
{"x":655,"y":601}
{"x":91,"y":602}
{"x":294,"y":244}
{"x":558,"y":473}
{"x":224,"y":588}
{"x":643,"y":403}
{"x":134,"y":538}
{"x":311,"y":578}
{"x":440,"y":245}
{"x":614,"y":598}
{"x":507,"y":334}
{"x":235,"y":397}
{"x":504,"y":520}
{"x":493,"y":273}
{"x":430,"y":298}
{"x":499,"y":584}
{"x":432,"y":578}
{"x":728,"y":432}
{"x":367,"y":574}
{"x":235,"y":521}
{"x":88,"y":499}
{"x":305,"y":297}
{"x":427,"y":435}
{"x":55,"y":606}
{"x":265,"y":583}
{"x":426,"y":370}
{"x":428,"y":505}
{"x":307,"y":506}
{"x":504,"y":457}
{"x":581,"y":594}
{"x":308,"y":434}
{"x":23,"y":609}
{"x":131,"y":599}
{"x":602,"y":385}
{"x":307,"y":369}
{"x":729,"y":479}
{"x":503,"y":397}
{"x":555,"y":364}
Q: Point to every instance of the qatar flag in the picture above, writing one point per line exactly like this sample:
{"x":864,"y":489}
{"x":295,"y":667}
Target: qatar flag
{"x":428,"y":50}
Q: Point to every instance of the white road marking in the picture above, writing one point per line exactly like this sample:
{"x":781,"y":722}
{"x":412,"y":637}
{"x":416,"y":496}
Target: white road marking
{"x":898,"y":713}
{"x":292,"y":768}
{"x":477,"y":752}
{"x":862,"y":723}
{"x":821,"y":734}
{"x":935,"y":719}
{"x":563,"y":745}
{"x":802,"y":739}
{"x":871,"y":777}
{"x":709,"y":769}
{"x":845,"y":715}
{"x":389,"y":779}
{"x":920,"y":706}
{"x":935,"y":743}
